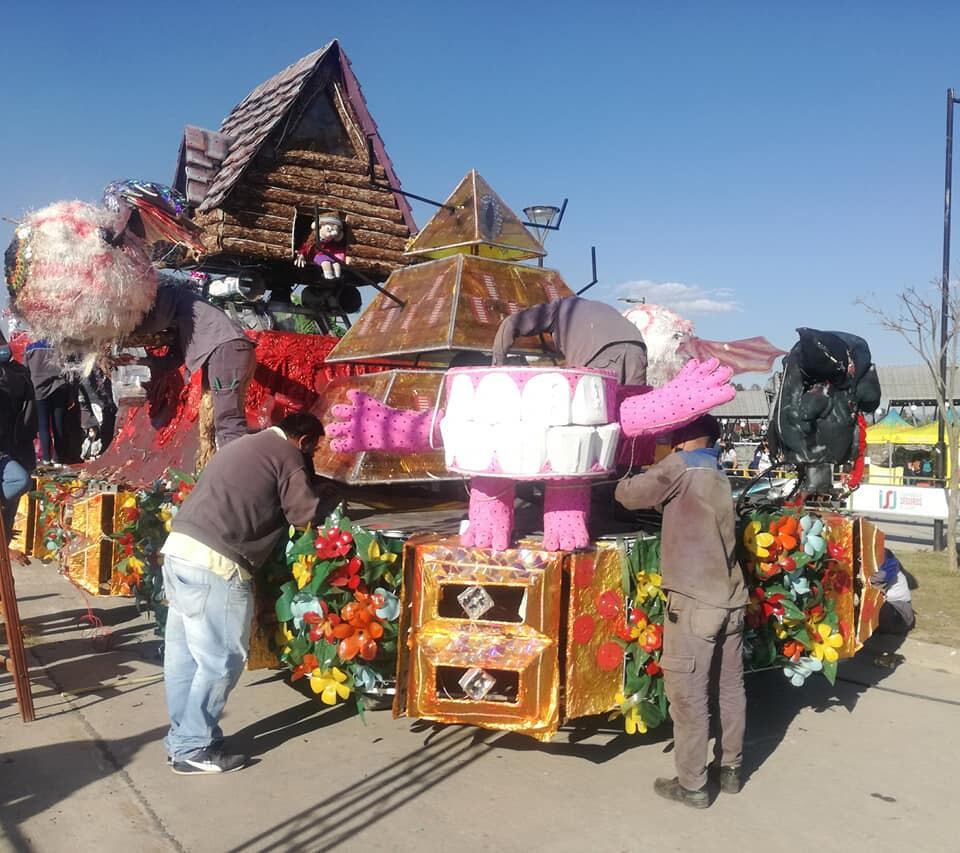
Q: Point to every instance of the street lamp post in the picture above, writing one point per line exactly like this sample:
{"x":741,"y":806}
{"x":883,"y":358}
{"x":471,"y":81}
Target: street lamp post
{"x":939,"y":535}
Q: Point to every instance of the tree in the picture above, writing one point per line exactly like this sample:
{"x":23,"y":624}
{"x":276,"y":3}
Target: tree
{"x":917,"y":319}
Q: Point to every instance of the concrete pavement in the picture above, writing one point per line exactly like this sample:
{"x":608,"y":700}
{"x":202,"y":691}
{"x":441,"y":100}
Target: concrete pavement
{"x":865,"y":765}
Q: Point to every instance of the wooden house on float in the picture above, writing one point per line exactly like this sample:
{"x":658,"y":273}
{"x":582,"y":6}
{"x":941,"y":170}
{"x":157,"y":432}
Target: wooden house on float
{"x":296,"y":147}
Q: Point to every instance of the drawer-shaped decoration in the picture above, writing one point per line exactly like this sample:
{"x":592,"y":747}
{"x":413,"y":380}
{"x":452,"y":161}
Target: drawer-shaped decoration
{"x":483,"y":642}
{"x":21,"y":537}
{"x":870,"y":545}
{"x":838,"y":578}
{"x":89,"y":558}
{"x":589,"y":689}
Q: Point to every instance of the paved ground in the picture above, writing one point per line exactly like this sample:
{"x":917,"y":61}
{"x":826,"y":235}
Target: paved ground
{"x":868,"y":765}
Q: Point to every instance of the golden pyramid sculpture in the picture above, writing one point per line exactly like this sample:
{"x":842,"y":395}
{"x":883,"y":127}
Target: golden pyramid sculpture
{"x":479,"y":224}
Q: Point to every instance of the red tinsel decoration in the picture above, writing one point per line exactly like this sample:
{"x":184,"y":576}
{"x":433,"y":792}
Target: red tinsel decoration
{"x":856,"y":473}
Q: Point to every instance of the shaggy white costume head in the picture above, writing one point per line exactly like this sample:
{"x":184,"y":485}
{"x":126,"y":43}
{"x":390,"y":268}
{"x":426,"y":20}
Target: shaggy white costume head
{"x":664,"y":332}
{"x":73,"y":288}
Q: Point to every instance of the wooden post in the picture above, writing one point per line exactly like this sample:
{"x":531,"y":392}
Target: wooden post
{"x":16,"y":663}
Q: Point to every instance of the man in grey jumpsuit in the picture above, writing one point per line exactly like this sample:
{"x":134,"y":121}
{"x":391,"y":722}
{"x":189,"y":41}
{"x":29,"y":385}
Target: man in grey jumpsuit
{"x":586,"y":333}
{"x":208,"y":340}
{"x":706,"y":600}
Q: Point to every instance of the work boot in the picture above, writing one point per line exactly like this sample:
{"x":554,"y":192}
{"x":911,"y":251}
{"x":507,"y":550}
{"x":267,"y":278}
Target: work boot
{"x":671,"y":789}
{"x":730,"y":780}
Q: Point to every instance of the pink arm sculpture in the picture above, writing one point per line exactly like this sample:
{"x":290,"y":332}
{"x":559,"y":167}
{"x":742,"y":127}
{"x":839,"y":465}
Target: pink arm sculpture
{"x":367,"y":424}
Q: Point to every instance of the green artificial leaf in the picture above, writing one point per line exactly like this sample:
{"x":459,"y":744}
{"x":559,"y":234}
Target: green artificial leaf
{"x":790,"y":610}
{"x":801,"y":558}
{"x":283,"y":605}
{"x":830,"y":671}
{"x":650,"y":714}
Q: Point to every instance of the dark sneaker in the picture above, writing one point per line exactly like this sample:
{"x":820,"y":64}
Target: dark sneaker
{"x":208,"y":761}
{"x":671,"y":789}
{"x":730,"y":780}
{"x":216,"y":745}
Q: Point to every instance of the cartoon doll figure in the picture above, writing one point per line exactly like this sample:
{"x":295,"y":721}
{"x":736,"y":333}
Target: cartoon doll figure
{"x":324,"y":247}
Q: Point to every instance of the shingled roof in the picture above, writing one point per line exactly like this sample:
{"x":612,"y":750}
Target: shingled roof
{"x":254,"y":119}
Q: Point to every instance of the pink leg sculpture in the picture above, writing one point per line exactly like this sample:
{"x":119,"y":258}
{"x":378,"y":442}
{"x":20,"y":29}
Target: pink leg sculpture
{"x":491,"y":513}
{"x":566,"y":508}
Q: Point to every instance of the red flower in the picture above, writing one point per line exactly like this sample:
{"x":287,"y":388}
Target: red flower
{"x":761,"y":607}
{"x":609,"y":656}
{"x":652,"y":638}
{"x":333,"y":543}
{"x":653,"y":668}
{"x":792,"y":649}
{"x":348,"y":576}
{"x":583,"y":628}
{"x":836,"y":550}
{"x":584,"y":573}
{"x":609,"y":604}
{"x":309,"y":664}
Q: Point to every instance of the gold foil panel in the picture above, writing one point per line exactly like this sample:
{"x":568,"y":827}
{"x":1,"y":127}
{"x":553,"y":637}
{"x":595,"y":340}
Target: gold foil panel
{"x":480,"y":224}
{"x":401,"y":389}
{"x":454,"y":303}
{"x":588,"y":689}
{"x":870,"y":557}
{"x":838,"y":580}
{"x":527,"y":648}
{"x":90,"y":567}
{"x":21,"y":537}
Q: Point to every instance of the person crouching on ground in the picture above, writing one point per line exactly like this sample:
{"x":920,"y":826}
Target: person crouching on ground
{"x":706,"y":600}
{"x":225,"y":531}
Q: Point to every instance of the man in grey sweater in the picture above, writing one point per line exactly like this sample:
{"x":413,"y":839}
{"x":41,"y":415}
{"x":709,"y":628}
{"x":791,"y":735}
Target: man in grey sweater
{"x":706,"y":600}
{"x":585,"y":332}
{"x":224,"y":532}
{"x":208,"y":340}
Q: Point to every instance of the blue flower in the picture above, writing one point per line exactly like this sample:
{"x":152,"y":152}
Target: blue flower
{"x":796,"y":582}
{"x":799,"y":672}
{"x":303,"y":604}
{"x":391,"y":605}
{"x":367,"y":678}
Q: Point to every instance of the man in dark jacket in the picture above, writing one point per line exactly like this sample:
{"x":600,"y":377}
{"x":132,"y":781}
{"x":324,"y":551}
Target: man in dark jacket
{"x":208,"y":340}
{"x":585,"y":332}
{"x":18,"y":427}
{"x":52,"y":392}
{"x":706,"y":600}
{"x":224,"y":532}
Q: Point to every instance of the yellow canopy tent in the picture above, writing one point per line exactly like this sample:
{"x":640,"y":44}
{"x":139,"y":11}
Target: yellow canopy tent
{"x":884,"y":430}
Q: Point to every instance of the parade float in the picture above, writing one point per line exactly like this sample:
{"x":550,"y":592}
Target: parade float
{"x":493,"y":611}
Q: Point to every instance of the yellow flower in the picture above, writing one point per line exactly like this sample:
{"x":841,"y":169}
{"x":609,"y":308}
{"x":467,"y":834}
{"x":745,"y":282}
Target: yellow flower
{"x":826,"y":647}
{"x":648,"y":586}
{"x":329,"y":683}
{"x":374,"y":553}
{"x":632,"y":721}
{"x":303,"y":569}
{"x":135,"y":565}
{"x":755,"y":542}
{"x":130,"y":502}
{"x":166,"y":517}
{"x":284,"y":636}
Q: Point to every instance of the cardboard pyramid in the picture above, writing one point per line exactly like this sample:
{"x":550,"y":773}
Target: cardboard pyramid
{"x":480,"y":224}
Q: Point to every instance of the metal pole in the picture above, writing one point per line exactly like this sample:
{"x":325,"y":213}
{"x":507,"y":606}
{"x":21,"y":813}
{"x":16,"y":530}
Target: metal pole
{"x":939,"y":534}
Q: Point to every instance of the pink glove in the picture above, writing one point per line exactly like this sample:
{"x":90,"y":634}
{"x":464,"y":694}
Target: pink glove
{"x":691,"y":393}
{"x":491,"y":513}
{"x":367,"y":424}
{"x":566,"y":509}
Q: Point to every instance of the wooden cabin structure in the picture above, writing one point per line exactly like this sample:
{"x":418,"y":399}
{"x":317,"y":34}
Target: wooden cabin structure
{"x":296,"y":146}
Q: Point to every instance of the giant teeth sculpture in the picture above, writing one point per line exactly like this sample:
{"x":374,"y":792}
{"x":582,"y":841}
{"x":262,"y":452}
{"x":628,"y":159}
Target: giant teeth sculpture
{"x":504,"y":424}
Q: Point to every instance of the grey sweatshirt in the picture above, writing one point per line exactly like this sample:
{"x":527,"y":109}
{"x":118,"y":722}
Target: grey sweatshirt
{"x":250,"y":492}
{"x":581,"y":329}
{"x":698,"y":545}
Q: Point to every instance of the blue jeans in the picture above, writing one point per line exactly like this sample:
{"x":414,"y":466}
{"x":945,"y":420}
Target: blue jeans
{"x":15,"y":484}
{"x":206,"y":644}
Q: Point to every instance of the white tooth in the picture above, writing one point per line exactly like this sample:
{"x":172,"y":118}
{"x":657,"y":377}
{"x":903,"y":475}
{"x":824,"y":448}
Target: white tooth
{"x":497,"y":400}
{"x":609,"y":435}
{"x":546,"y":400}
{"x":521,"y":448}
{"x":589,"y":405}
{"x":460,"y":398}
{"x":474,"y":445}
{"x":572,"y":449}
{"x":450,"y":435}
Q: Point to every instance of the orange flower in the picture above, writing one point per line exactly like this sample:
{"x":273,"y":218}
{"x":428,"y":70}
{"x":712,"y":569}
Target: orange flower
{"x":785,"y":531}
{"x":792,"y":649}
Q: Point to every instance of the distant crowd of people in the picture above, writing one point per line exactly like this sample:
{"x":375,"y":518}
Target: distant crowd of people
{"x":729,"y":459}
{"x":50,"y":414}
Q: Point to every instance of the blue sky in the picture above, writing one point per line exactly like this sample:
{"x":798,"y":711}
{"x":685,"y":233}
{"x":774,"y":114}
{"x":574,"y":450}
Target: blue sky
{"x":772,"y":162}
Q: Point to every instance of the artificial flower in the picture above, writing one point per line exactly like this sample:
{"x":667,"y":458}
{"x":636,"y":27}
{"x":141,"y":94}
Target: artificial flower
{"x":652,"y":638}
{"x":756,"y":540}
{"x":765,"y":570}
{"x":837,"y":578}
{"x":348,"y":575}
{"x":303,"y":569}
{"x":811,"y":536}
{"x":330,"y":684}
{"x":632,"y":721}
{"x":333,"y":543}
{"x":648,"y":586}
{"x":792,"y":649}
{"x":584,"y":627}
{"x":801,"y":669}
{"x":305,"y":667}
{"x":796,"y":582}
{"x":609,"y":604}
{"x":366,"y":678}
{"x":761,"y":607}
{"x":785,"y":530}
{"x":653,"y":668}
{"x":377,"y":555}
{"x":826,"y":643}
{"x":390,"y":609}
